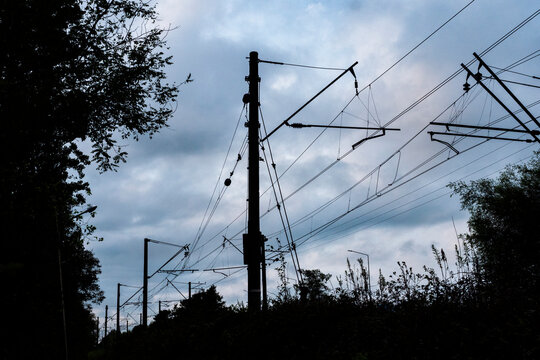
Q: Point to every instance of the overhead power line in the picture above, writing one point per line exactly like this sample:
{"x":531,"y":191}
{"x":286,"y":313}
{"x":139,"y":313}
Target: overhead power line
{"x":302,"y":66}
{"x":520,"y":83}
{"x":287,"y":229}
{"x":347,"y":230}
{"x":390,"y":187}
{"x":417,"y":46}
{"x":199,"y":235}
{"x":409,"y":108}
{"x":201,"y":229}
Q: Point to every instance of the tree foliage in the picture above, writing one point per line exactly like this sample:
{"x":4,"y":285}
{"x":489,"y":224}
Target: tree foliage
{"x":204,"y":303}
{"x":504,"y":230}
{"x":313,"y":285}
{"x":72,"y":72}
{"x":86,"y":70}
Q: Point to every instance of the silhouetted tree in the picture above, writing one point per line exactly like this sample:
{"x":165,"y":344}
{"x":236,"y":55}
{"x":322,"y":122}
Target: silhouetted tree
{"x":504,"y":230}
{"x":202,"y":304}
{"x":313,"y":287}
{"x":71,"y":72}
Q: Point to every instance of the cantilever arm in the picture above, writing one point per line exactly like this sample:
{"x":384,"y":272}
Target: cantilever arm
{"x":476,"y":136}
{"x":309,"y":101}
{"x":477,"y":127}
{"x":298,"y":126}
{"x":170,"y":282}
{"x":431,"y":133}
{"x":355,"y":145}
{"x":478,"y":79}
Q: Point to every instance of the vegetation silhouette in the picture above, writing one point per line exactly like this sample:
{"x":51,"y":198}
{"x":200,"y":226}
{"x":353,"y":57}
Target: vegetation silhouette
{"x":71,"y":72}
{"x":485,"y":306}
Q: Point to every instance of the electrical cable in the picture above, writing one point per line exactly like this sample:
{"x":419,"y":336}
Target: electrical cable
{"x":351,"y":221}
{"x":442,"y":84}
{"x":414,"y":104}
{"x":302,"y":66}
{"x":393,"y":65}
{"x":417,"y":206}
{"x":375,"y":169}
{"x":431,"y":92}
{"x":523,"y":60}
{"x":200,"y":231}
{"x":515,"y":72}
{"x":418,"y":45}
{"x":131,"y":297}
{"x":459,"y":71}
{"x":520,"y":83}
{"x":331,"y":222}
{"x":288,"y":234}
{"x":218,"y":200}
{"x":411,"y":139}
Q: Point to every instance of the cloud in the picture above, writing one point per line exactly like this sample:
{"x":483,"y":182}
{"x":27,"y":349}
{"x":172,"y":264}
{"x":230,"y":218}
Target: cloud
{"x":164,"y":189}
{"x":283,"y":82}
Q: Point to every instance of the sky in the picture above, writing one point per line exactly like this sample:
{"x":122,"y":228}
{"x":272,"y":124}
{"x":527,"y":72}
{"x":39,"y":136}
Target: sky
{"x":392,"y":189}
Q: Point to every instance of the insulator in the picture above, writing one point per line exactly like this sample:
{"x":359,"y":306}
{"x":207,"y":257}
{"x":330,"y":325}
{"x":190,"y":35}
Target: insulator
{"x":466,"y":87}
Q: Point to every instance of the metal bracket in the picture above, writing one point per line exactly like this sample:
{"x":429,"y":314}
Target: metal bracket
{"x":355,"y":145}
{"x":431,"y":133}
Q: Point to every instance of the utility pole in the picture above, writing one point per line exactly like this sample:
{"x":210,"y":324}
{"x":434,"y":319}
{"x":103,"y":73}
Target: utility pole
{"x":145,"y":284}
{"x":106,"y":318}
{"x":59,"y":247}
{"x":159,"y":306}
{"x":97,"y":331}
{"x":263,"y":278}
{"x":118,"y":309}
{"x":254,"y":252}
{"x":146,"y":277}
{"x":252,"y":240}
{"x":62,"y":293}
{"x":523,"y":107}
{"x":189,"y":290}
{"x":264,"y":292}
{"x":478,"y":78}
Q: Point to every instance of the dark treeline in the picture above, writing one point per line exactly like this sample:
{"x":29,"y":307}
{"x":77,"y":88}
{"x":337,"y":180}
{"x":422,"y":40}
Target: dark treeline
{"x":485,"y":306}
{"x":72,"y":73}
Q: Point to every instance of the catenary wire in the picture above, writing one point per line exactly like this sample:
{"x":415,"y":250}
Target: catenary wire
{"x":491,"y":47}
{"x":414,"y":104}
{"x":323,"y":227}
{"x":286,"y":228}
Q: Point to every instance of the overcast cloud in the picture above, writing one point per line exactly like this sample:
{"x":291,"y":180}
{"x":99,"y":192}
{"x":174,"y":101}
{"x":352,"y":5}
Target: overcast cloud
{"x":164,"y":188}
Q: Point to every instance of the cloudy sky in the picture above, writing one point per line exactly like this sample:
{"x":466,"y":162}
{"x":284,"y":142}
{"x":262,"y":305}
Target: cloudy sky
{"x":391,"y":190}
